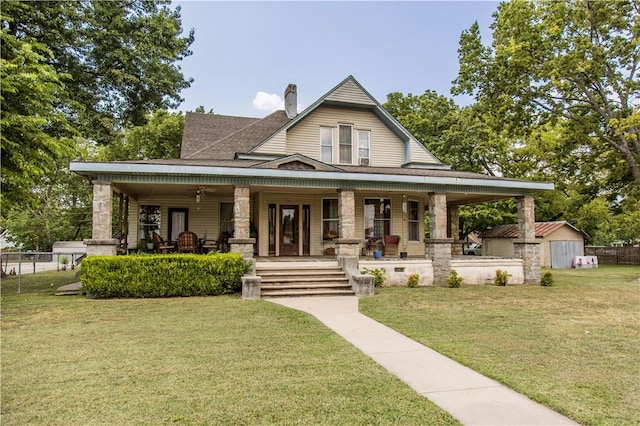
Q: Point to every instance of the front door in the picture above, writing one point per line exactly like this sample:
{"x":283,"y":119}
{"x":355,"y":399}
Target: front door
{"x":178,"y":222}
{"x":289,"y":232}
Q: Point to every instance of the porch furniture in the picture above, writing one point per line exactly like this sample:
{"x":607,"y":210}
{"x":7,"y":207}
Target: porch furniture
{"x":371,"y":245}
{"x":187,"y":242}
{"x":121,"y":236}
{"x":391,"y":245}
{"x":221,"y":244}
{"x":162,"y":246}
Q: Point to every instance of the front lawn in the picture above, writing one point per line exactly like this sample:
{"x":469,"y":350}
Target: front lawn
{"x":574,"y":347}
{"x":41,"y":282}
{"x":209,"y":360}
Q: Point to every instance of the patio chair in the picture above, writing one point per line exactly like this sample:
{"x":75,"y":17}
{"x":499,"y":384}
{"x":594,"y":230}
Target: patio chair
{"x":162,"y":246}
{"x":187,"y":242}
{"x":221,"y":244}
{"x":391,"y":245}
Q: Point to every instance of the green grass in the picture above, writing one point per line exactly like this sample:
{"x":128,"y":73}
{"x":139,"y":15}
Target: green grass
{"x":214,"y":360}
{"x":41,"y":282}
{"x":574,"y":347}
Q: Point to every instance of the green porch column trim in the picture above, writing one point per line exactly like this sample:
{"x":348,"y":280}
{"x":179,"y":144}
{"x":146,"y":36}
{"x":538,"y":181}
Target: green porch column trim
{"x":312,"y":183}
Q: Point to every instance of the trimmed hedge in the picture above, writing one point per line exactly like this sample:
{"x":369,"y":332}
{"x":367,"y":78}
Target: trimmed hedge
{"x":163,"y":275}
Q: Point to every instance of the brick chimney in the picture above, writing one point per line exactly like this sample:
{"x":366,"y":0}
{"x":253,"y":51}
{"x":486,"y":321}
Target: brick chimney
{"x":291,"y":101}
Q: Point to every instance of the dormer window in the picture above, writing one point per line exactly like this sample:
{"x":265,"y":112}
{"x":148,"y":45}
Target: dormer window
{"x":345,"y":132}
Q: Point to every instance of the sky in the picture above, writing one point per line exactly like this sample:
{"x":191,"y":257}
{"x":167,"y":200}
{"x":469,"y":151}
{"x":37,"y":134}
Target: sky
{"x":246,"y":53}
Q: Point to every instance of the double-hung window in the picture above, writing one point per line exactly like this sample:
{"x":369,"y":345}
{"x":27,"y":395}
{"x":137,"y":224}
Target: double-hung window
{"x":364,"y":147}
{"x":326,"y":144}
{"x":345,"y":132}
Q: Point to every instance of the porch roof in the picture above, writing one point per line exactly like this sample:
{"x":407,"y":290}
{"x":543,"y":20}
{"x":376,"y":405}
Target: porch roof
{"x":249,"y":172}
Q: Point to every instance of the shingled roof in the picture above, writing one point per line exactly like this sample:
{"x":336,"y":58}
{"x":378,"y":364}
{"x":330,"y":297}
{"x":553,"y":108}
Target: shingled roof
{"x":211,"y":136}
{"x":542,"y":229}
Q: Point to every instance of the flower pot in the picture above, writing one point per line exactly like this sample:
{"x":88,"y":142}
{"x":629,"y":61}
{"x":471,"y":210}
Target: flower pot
{"x":377,"y":254}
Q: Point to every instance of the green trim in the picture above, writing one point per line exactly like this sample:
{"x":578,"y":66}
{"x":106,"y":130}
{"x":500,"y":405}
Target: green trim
{"x":307,"y":183}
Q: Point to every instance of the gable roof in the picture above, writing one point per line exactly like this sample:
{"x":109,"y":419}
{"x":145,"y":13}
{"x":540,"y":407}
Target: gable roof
{"x":210,"y":136}
{"x":351,"y":93}
{"x":542,"y":229}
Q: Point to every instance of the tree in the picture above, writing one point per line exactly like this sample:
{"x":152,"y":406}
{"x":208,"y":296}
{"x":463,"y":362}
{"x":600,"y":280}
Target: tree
{"x":85,"y":68}
{"x":61,"y":211}
{"x":457,"y":136}
{"x":160,"y":137}
{"x":574,"y":63}
{"x":36,"y":135}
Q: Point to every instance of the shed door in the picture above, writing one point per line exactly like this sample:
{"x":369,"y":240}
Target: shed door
{"x":563,"y":252}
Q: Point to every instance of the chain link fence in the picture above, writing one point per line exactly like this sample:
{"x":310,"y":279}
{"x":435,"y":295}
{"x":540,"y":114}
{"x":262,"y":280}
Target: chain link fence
{"x":31,"y":271}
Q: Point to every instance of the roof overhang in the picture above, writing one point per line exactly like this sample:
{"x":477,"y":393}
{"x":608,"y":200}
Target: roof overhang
{"x":146,"y":173}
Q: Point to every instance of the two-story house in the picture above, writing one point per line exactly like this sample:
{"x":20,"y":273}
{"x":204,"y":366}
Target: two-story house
{"x":332,"y":180}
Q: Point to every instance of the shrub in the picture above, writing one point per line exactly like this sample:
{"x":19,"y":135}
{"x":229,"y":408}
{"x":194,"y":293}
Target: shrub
{"x":547,"y":279}
{"x":454,"y":280}
{"x":163,"y":275}
{"x":413,"y":280}
{"x":379,"y":275}
{"x":502,"y":277}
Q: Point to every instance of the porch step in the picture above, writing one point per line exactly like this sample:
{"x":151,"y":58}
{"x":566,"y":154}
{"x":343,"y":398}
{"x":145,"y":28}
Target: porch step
{"x":290,"y":279}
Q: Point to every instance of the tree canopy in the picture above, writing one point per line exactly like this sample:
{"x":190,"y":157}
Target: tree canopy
{"x":81,"y":69}
{"x":573,"y":63}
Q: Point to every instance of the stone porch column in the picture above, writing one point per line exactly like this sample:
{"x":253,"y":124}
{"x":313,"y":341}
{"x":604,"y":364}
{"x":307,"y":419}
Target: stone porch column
{"x":101,"y":242}
{"x":347,"y":246}
{"x":527,"y":247}
{"x":241,"y":243}
{"x":454,"y":230}
{"x":439,"y":246}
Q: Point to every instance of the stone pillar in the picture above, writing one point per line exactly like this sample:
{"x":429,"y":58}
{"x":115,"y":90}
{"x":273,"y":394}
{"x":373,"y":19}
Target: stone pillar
{"x":241,"y":243}
{"x":454,"y":230}
{"x":527,"y":247}
{"x":347,"y":246}
{"x":438,"y":247}
{"x":101,"y":242}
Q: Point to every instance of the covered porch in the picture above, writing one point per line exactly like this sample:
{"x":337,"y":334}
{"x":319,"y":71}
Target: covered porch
{"x":304,"y":214}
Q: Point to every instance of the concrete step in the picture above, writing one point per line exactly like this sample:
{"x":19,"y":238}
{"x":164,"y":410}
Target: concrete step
{"x":297,"y":280}
{"x":306,"y":293}
{"x":282,"y":286}
{"x":308,"y":279}
{"x":301,"y":272}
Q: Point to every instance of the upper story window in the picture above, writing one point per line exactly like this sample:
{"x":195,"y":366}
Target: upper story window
{"x":364,"y":147}
{"x":345,"y":132}
{"x":326,"y":144}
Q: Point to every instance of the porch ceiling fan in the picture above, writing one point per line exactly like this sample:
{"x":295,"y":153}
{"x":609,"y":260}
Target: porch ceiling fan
{"x":201,"y":191}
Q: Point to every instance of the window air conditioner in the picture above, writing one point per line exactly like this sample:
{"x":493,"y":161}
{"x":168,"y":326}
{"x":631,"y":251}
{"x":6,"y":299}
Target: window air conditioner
{"x":364,"y":161}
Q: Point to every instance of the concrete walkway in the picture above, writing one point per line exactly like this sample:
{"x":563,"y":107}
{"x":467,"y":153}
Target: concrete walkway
{"x":470,"y":397}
